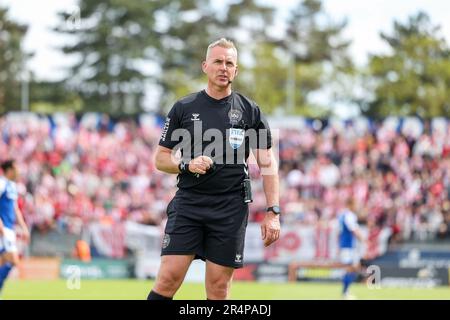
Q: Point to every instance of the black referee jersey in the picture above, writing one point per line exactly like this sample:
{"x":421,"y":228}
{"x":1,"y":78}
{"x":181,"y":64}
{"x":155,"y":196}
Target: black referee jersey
{"x":224,"y":130}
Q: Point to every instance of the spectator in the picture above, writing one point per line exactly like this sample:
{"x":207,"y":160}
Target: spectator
{"x":78,"y":171}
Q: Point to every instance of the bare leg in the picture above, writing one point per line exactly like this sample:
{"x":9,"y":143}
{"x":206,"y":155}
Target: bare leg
{"x":218,"y":281}
{"x":171,"y":274}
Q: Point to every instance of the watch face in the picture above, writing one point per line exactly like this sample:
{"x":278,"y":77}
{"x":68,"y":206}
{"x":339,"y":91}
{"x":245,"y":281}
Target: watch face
{"x":275,"y":209}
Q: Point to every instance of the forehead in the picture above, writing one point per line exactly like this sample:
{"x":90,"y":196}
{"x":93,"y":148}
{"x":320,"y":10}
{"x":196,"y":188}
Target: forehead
{"x":222,"y":54}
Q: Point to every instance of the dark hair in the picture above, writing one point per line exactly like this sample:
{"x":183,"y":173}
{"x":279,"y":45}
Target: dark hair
{"x":6,"y":165}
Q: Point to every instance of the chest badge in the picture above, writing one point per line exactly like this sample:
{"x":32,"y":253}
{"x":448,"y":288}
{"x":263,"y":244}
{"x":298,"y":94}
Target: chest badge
{"x":236,"y":137}
{"x":235,"y":116}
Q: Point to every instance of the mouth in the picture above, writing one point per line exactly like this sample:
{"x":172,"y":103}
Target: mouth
{"x":223,"y":78}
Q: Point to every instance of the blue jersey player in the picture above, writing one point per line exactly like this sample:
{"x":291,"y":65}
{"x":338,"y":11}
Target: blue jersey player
{"x":349,"y":231}
{"x":9,"y":215}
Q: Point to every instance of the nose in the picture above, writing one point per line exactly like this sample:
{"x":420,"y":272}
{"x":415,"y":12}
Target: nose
{"x":223,"y":66}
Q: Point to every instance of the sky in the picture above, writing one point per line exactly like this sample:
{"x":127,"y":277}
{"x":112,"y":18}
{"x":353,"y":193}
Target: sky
{"x":365,"y":20}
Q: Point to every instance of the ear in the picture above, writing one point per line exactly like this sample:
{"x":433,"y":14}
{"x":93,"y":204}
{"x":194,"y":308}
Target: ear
{"x":204,"y":66}
{"x":236,"y":71}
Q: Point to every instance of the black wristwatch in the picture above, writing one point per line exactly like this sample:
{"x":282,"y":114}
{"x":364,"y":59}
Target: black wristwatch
{"x":183,"y":167}
{"x":274,"y":209}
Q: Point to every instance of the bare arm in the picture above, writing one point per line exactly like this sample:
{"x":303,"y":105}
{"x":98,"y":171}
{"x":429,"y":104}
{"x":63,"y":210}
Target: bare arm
{"x":1,"y":227}
{"x":269,"y":171}
{"x":351,"y":222}
{"x":270,"y":226}
{"x":165,"y":161}
{"x":359,"y":235}
{"x":21,"y":222}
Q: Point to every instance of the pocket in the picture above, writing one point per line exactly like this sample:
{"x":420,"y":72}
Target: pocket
{"x":170,"y":207}
{"x":171,"y":217}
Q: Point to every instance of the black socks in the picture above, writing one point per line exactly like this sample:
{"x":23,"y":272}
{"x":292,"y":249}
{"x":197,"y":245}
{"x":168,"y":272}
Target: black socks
{"x":156,"y":296}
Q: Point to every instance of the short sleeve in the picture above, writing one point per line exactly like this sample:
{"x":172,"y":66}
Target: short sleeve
{"x":261,"y":126}
{"x":172,"y":123}
{"x":2,"y":186}
{"x":351,"y":221}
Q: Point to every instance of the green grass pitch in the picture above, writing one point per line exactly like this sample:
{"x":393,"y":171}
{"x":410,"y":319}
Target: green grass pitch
{"x":138,"y":290}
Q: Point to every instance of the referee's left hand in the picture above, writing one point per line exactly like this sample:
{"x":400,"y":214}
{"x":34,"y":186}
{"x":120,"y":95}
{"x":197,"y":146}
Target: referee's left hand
{"x":270,"y":228}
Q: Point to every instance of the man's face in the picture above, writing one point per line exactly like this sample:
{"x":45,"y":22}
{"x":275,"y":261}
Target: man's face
{"x":220,"y":66}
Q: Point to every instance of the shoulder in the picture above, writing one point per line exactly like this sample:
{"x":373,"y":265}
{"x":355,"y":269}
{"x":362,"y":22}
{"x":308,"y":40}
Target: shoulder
{"x":350,"y":217}
{"x":184,"y":102}
{"x":246,"y":101}
{"x":190,"y":98}
{"x":251,"y":108}
{"x":352,"y":214}
{"x":348,"y":213}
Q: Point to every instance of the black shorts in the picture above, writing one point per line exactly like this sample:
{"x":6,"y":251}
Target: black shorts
{"x":211,"y":227}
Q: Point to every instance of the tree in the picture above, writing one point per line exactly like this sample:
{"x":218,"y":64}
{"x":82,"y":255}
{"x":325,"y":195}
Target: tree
{"x":12,"y":60}
{"x":114,"y":41}
{"x":118,"y":39}
{"x":194,"y":25}
{"x":265,"y":79}
{"x":53,"y":96}
{"x":315,"y":55}
{"x":414,"y":79}
{"x":184,"y":38}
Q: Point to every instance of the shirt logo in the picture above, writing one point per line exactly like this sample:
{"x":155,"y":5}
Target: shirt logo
{"x":195,"y":117}
{"x":238,"y":258}
{"x":165,"y":129}
{"x":235,"y":116}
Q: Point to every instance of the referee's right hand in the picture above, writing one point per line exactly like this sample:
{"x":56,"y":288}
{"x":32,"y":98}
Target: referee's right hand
{"x":200,"y":165}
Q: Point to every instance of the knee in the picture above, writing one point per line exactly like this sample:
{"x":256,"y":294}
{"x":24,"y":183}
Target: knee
{"x":218,"y":288}
{"x":12,"y":260}
{"x":353,"y":268}
{"x":168,"y":283}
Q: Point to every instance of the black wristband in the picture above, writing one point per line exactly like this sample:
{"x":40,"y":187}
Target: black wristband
{"x":183,"y":167}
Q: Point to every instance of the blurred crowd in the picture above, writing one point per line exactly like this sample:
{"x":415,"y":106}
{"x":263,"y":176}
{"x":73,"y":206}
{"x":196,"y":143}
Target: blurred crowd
{"x":397,"y":174}
{"x":78,"y":170}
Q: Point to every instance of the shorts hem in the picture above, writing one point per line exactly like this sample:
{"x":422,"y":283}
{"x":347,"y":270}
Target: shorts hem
{"x":214,"y":260}
{"x":178,"y":252}
{"x":225,"y":264}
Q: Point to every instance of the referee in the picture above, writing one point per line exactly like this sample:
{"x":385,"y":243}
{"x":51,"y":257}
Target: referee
{"x":213,"y":130}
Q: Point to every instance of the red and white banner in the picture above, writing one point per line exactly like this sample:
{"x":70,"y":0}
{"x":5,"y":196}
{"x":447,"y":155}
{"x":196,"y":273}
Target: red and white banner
{"x":108,"y":239}
{"x":309,"y":243}
{"x":297,"y":243}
